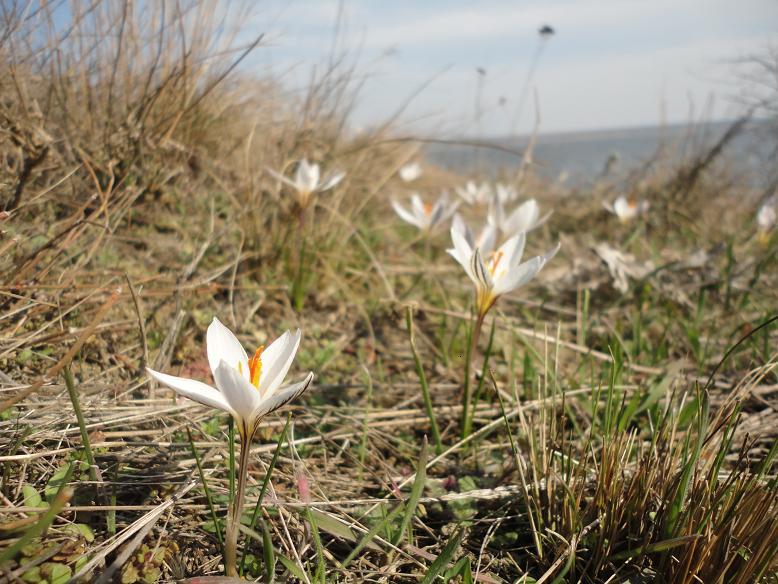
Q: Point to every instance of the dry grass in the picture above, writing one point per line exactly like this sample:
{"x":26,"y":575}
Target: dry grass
{"x":617,"y":437}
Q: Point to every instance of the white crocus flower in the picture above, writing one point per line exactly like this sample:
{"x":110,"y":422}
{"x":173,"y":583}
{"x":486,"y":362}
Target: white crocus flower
{"x":627,"y":209}
{"x":523,"y":218}
{"x":248,"y":388}
{"x":765,"y":220}
{"x":505,"y":193}
{"x":501,"y":272}
{"x":410,"y":172}
{"x":475,"y":194}
{"x":622,"y":266}
{"x":485,"y":240}
{"x":307,"y":181}
{"x":426,"y":216}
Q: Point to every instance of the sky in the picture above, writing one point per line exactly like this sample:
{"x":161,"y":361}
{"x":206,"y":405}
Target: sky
{"x":610,"y":63}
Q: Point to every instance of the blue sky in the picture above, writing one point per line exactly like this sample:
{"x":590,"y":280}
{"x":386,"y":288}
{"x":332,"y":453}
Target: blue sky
{"x":612,"y":63}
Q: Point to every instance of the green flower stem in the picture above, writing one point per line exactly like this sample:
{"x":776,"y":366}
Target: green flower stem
{"x":467,"y":396}
{"x":236,"y":510}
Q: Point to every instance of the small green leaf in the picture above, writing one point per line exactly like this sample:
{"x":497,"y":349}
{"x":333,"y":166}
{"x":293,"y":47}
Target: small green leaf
{"x":81,"y":530}
{"x":56,"y":573}
{"x":33,"y":575}
{"x":62,"y":476}
{"x":338,"y":528}
{"x":32,"y":498}
{"x":293,"y":568}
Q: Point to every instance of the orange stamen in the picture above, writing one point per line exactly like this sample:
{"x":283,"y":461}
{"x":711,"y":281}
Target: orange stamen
{"x":496,"y":257}
{"x":255,"y":366}
{"x":427,"y":208}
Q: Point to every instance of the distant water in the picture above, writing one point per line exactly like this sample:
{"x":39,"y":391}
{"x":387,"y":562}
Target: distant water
{"x":581,"y":157}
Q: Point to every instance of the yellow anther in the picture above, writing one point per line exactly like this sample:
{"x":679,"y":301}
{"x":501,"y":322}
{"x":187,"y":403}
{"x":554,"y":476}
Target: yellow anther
{"x":255,"y":366}
{"x":495,"y":260}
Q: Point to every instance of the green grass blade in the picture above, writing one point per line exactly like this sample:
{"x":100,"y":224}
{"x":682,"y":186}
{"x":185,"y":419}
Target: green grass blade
{"x":379,"y":526}
{"x":425,"y":390}
{"x":444,"y":559}
{"x":416,"y":491}
{"x":208,"y":497}
{"x":293,"y":568}
{"x":268,"y":553}
{"x":73,"y":393}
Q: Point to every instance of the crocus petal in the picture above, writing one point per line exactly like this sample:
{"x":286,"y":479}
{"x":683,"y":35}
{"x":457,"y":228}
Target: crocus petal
{"x":496,"y":214}
{"x":463,"y":253}
{"x":410,"y":172}
{"x":458,"y":224}
{"x":486,"y":239}
{"x":482,"y":276}
{"x":512,"y":250}
{"x":404,"y":214}
{"x":282,"y":178}
{"x":331,"y":182}
{"x":282,"y":397}
{"x":417,"y":206}
{"x":276,"y":361}
{"x":622,"y":208}
{"x":519,"y":276}
{"x":450,"y":209}
{"x":523,"y":273}
{"x":194,"y":390}
{"x":438,"y":214}
{"x":465,"y":195}
{"x":242,"y":397}
{"x":506,"y":194}
{"x":307,"y":176}
{"x":766,"y":217}
{"x":222,"y":345}
{"x":523,"y":218}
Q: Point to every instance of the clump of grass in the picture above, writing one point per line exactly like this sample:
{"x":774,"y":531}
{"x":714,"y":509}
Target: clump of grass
{"x":620,"y":500}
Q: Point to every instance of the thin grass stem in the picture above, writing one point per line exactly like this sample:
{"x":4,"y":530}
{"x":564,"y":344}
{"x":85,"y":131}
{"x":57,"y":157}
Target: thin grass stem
{"x":425,"y":390}
{"x":208,"y":497}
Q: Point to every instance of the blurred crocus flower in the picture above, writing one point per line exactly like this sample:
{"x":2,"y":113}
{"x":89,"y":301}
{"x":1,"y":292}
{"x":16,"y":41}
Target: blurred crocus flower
{"x":505,"y":193}
{"x":765,"y":220}
{"x":308,"y":181}
{"x":248,"y":388}
{"x":426,"y":216}
{"x":410,"y":172}
{"x":475,"y":194}
{"x":501,"y":272}
{"x":627,"y":209}
{"x":523,"y":218}
{"x":485,"y":240}
{"x":622,"y":266}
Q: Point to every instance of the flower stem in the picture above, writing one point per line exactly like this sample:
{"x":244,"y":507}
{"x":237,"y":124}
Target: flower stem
{"x":236,"y":510}
{"x":467,"y":398}
{"x":298,"y":285}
